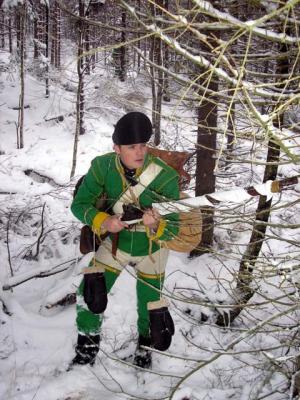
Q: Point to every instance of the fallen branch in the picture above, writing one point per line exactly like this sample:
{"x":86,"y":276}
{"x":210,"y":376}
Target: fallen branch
{"x":7,"y":244}
{"x":38,"y":177}
{"x":67,"y":300}
{"x":17,"y":108}
{"x":59,"y":118}
{"x":41,"y":234}
{"x":27,"y":276}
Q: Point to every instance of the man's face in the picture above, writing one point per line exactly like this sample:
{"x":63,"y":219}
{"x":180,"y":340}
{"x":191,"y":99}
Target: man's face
{"x":132,"y":155}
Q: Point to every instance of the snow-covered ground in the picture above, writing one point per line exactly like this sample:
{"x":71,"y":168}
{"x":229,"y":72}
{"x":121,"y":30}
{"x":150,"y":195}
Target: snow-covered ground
{"x":37,"y":338}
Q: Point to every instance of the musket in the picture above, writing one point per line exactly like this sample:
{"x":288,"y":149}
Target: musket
{"x":234,"y":196}
{"x":134,"y":215}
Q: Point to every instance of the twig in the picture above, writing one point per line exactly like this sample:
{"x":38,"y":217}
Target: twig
{"x":42,"y":274}
{"x":7,"y":245}
{"x":41,"y":234}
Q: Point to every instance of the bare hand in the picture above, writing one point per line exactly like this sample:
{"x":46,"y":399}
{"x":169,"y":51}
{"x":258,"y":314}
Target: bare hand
{"x":114,"y":224}
{"x":151,"y":218}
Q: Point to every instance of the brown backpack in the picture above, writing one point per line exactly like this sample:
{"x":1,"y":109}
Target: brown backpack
{"x":176,"y":160}
{"x":89,"y":241}
{"x":190,"y":223}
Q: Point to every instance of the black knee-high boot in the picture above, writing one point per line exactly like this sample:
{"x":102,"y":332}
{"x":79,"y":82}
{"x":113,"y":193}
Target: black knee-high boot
{"x":143,"y":357}
{"x":86,"y":349}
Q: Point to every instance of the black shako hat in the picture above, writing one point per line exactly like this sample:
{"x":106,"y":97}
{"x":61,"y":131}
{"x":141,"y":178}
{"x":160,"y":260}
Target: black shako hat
{"x":134,"y":127}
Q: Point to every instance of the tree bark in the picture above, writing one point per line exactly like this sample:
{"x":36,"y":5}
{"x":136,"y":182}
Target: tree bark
{"x":47,"y":93}
{"x":20,"y":128}
{"x":123,"y":50}
{"x":230,"y":127}
{"x":166,"y":63}
{"x":2,"y":25}
{"x":10,"y":34}
{"x":35,"y":36}
{"x":53,"y":31}
{"x":55,"y":34}
{"x":157,"y":80}
{"x":58,"y":41}
{"x":244,"y":289}
{"x":205,"y":164}
{"x":159,"y":92}
{"x":79,"y":129}
{"x":87,"y":57}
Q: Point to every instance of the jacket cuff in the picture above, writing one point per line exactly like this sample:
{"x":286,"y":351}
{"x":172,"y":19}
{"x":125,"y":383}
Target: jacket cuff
{"x":98,"y":221}
{"x":159,"y":232}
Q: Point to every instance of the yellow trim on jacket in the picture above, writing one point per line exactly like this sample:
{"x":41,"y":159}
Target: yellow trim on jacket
{"x":98,"y":221}
{"x":160,"y":230}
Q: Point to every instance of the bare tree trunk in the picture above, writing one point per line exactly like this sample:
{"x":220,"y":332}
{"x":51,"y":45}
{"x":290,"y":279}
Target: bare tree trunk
{"x":35,"y":36}
{"x":87,"y":57}
{"x":146,"y":41}
{"x":81,"y":66}
{"x":54,"y":31}
{"x":79,"y":129}
{"x":166,"y":63}
{"x":205,"y":164}
{"x":156,"y":79}
{"x":20,"y":128}
{"x":123,"y":50}
{"x":41,"y":28}
{"x":166,"y":89}
{"x":244,"y":291}
{"x":58,"y":37}
{"x":2,"y":25}
{"x":159,"y":93}
{"x":47,"y":94}
{"x":139,"y":42}
{"x":230,"y":127}
{"x":18,"y":26}
{"x":264,"y":108}
{"x":153,"y":86}
{"x":10,"y":34}
{"x":93,"y":43}
{"x":55,"y":34}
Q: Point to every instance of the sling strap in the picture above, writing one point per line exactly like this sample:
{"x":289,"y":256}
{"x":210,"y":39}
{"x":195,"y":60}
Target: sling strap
{"x":133,"y":192}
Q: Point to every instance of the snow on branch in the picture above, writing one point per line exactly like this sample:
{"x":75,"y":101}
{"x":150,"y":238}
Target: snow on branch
{"x":181,"y":78}
{"x":272,"y":132}
{"x":203,"y":62}
{"x":37,"y":273}
{"x":234,"y":196}
{"x":90,"y":21}
{"x":231,"y":345}
{"x":252,"y":25}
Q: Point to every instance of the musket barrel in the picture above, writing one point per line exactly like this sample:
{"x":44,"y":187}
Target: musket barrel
{"x":234,"y":196}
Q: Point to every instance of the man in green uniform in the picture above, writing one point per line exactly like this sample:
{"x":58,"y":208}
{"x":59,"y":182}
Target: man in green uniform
{"x":126,"y":176}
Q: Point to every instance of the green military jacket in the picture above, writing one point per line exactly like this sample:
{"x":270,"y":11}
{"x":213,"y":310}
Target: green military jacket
{"x":106,"y":176}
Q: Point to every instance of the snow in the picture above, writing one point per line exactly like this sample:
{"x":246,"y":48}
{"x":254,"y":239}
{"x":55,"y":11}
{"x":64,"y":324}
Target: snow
{"x":220,"y":72}
{"x":252,"y":24}
{"x":236,"y":196}
{"x":38,"y":337}
{"x":11,"y":3}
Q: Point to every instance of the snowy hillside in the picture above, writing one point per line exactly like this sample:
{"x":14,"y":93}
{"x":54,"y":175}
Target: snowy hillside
{"x":39,"y":236}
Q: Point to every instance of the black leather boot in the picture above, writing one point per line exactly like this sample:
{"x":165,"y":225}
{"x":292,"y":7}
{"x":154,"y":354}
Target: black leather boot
{"x":143,"y":357}
{"x":86,"y":349}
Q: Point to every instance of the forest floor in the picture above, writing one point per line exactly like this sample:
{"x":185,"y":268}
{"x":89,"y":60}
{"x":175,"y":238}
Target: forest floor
{"x":37,"y":338}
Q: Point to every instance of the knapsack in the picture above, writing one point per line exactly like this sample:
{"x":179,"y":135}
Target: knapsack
{"x":89,"y":241}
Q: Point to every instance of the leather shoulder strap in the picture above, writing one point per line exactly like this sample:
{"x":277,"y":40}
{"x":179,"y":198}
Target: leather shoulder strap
{"x":132,"y":192}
